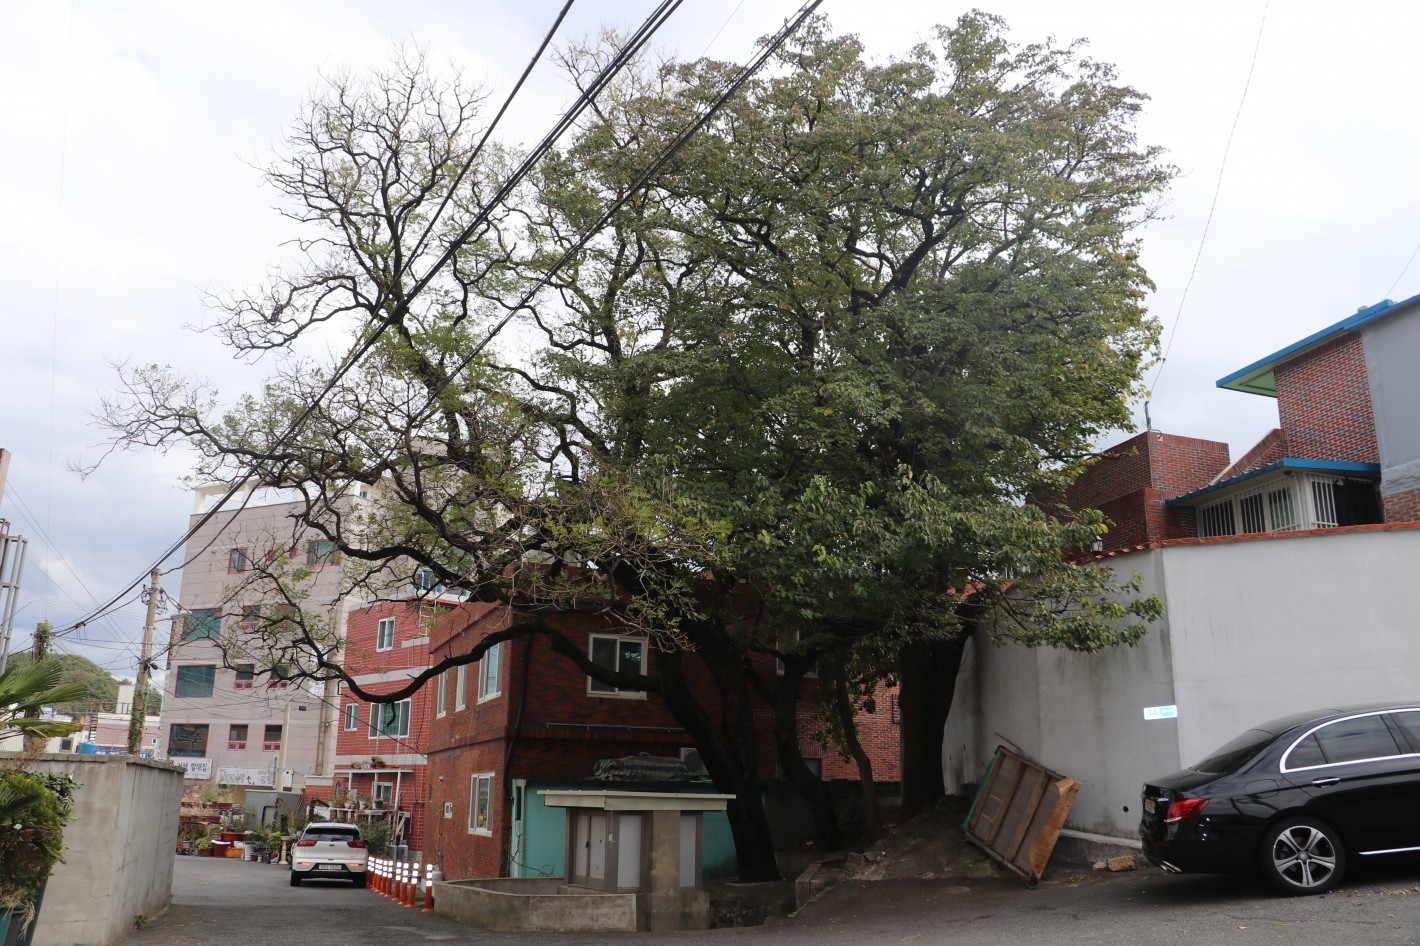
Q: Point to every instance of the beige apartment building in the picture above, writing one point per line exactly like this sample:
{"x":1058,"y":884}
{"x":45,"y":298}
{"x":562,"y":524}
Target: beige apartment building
{"x":230,"y":717}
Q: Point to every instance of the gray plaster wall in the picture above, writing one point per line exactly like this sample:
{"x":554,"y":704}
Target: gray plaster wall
{"x":1391,"y":345}
{"x":534,"y":904}
{"x":118,"y":852}
{"x":1254,"y":630}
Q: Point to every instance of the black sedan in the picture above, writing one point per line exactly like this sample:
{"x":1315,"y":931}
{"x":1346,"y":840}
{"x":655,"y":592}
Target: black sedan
{"x":1295,"y":799}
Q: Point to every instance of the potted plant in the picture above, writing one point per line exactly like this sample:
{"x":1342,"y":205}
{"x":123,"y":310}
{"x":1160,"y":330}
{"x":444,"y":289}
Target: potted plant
{"x":376,"y":762}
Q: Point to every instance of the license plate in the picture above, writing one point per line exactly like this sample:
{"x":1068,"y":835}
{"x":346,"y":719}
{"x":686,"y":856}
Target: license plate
{"x":1148,"y":806}
{"x":328,"y":867}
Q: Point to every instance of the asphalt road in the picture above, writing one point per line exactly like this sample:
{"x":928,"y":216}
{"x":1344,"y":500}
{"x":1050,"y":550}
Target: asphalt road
{"x":227,"y":901}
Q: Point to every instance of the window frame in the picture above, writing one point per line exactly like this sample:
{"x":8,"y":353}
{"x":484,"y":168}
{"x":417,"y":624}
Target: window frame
{"x":210,"y":627}
{"x":616,"y":693}
{"x":1401,"y":744}
{"x":350,"y":717}
{"x":199,"y":753}
{"x":178,"y":681}
{"x":380,"y":627}
{"x":234,"y":743}
{"x":244,"y":677}
{"x":487,"y":691}
{"x":238,"y":562}
{"x":441,"y":695}
{"x":322,"y":553}
{"x":480,"y":785}
{"x":401,"y":723}
{"x":461,"y":688}
{"x":267,"y":743}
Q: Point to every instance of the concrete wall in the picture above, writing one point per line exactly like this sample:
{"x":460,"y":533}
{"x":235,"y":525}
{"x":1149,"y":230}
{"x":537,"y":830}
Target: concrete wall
{"x":1256,"y":628}
{"x":119,"y":851}
{"x":1391,"y":346}
{"x":534,"y":904}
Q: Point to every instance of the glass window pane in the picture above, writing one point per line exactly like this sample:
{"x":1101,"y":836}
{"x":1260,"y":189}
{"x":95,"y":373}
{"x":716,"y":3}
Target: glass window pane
{"x":1353,"y":739}
{"x":1410,"y":722}
{"x":1307,"y":752}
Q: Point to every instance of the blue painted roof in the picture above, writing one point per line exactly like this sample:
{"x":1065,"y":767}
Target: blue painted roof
{"x":1258,"y":377}
{"x":1286,"y":463}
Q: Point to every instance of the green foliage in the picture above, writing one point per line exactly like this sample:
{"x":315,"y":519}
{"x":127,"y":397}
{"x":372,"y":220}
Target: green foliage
{"x":26,"y":690}
{"x":99,"y":686}
{"x":377,"y":837}
{"x":34,"y":808}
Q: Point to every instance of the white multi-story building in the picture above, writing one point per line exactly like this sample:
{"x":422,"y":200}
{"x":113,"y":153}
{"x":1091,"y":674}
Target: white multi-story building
{"x":231,"y":716}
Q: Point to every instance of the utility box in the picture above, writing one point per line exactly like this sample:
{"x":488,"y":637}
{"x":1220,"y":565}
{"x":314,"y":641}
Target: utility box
{"x":648,"y":843}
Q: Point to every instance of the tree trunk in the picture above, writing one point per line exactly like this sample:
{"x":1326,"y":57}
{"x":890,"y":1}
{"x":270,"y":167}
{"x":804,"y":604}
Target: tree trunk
{"x":827,"y":834}
{"x":729,"y":751}
{"x":847,"y":721}
{"x":927,"y":681}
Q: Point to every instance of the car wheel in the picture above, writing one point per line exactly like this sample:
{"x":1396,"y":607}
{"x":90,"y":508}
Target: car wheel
{"x":295,"y":879}
{"x":1302,"y":856}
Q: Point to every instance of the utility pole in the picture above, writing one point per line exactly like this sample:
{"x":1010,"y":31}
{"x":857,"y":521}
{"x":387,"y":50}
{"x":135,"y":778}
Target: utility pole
{"x":280,"y":778}
{"x":139,"y":713}
{"x":43,"y":631}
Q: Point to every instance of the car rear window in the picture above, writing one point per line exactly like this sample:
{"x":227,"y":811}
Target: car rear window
{"x":331,"y":834}
{"x":1235,"y":753}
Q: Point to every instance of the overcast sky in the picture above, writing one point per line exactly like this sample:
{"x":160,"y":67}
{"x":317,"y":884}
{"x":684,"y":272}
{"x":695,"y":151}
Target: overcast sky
{"x":131,"y":129}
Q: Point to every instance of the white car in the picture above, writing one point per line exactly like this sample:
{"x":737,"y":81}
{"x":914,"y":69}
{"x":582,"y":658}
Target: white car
{"x":327,"y":850}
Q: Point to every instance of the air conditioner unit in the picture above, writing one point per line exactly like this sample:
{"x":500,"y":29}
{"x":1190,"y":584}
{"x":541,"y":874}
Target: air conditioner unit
{"x":693,"y":763}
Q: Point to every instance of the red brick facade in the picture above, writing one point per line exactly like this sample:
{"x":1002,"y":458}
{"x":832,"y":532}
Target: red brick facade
{"x":1324,"y":403}
{"x":1269,"y":449}
{"x":1403,"y":507}
{"x":545,"y":724}
{"x":1130,"y":482}
{"x":383,"y":664}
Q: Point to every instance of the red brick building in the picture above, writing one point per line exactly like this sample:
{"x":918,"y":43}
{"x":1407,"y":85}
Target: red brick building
{"x":381,"y":760}
{"x":1346,"y":451}
{"x":524,"y":717}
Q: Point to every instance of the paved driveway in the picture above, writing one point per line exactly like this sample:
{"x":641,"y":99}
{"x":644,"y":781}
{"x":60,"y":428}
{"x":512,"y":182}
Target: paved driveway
{"x":234,"y":902}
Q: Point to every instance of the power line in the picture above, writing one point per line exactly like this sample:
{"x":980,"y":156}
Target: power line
{"x":1217,"y":188}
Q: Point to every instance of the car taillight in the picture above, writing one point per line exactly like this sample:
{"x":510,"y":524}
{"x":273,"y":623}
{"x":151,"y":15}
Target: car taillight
{"x":304,"y":842}
{"x":1184,"y":809}
{"x":355,"y":843}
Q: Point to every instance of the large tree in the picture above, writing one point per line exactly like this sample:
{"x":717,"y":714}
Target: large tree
{"x":793,"y":399}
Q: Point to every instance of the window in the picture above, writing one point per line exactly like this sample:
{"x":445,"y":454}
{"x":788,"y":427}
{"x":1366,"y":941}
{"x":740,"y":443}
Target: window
{"x":352,"y":716}
{"x":186,"y":740}
{"x":440,"y":695}
{"x":237,"y":561}
{"x":461,"y":687}
{"x":322,"y":552}
{"x":271,"y":739}
{"x":280,"y":678}
{"x":203,"y":623}
{"x":237,"y":736}
{"x":384,"y":634}
{"x":1303,"y":501}
{"x":488,"y":672}
{"x":383,"y":794}
{"x":195,"y":680}
{"x":246,"y":677}
{"x":250,"y":621}
{"x":389,"y":719}
{"x":622,"y":654}
{"x":480,"y":804}
{"x":1346,"y":740}
{"x":1410,"y":722}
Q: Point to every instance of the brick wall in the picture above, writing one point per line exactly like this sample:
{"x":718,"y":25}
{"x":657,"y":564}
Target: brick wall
{"x":562,"y":730}
{"x":1130,"y":482}
{"x":1403,"y":507}
{"x":1324,"y":403}
{"x":1269,"y":449}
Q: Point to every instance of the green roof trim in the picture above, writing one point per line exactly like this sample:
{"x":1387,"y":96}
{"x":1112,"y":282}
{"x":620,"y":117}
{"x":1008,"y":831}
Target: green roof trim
{"x":1260,"y":377}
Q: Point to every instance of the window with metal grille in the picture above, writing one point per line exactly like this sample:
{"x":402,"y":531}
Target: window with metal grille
{"x":1251,"y":514}
{"x":1216,"y":519}
{"x":1280,"y":510}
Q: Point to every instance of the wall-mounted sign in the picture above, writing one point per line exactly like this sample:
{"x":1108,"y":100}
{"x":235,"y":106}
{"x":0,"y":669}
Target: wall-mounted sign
{"x":196,"y":768}
{"x":232,"y":775}
{"x":1161,"y":712}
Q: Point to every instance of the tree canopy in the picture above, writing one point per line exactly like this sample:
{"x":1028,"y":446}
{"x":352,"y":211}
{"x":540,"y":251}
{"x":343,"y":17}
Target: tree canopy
{"x":795,"y":398}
